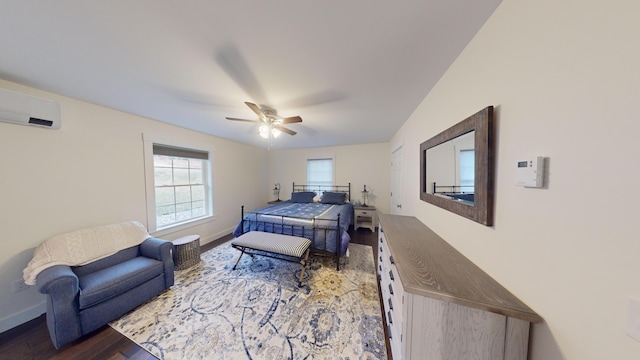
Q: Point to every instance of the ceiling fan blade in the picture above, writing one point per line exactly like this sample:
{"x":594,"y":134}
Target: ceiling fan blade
{"x":285,"y":130}
{"x":293,"y":119}
{"x":256,"y":109}
{"x":236,"y":119}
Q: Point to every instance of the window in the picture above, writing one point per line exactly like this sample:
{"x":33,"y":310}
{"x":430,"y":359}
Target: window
{"x":320,"y":172}
{"x":467,"y":171}
{"x":178,"y":186}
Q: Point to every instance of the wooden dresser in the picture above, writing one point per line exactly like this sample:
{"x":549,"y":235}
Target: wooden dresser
{"x":439,"y":305}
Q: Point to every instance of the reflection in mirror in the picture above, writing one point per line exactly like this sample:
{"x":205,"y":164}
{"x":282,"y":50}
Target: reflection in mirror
{"x":450,"y":169}
{"x":457,"y":166}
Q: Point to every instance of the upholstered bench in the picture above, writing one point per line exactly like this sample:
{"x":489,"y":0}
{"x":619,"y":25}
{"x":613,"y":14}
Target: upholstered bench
{"x":279,"y":246}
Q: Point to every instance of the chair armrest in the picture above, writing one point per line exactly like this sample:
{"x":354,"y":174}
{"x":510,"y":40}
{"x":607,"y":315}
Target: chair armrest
{"x":58,"y":281}
{"x":159,"y":249}
{"x":60,"y":284}
{"x":155,"y":248}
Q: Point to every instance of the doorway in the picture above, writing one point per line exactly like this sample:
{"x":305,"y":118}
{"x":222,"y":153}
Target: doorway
{"x":397,"y":183}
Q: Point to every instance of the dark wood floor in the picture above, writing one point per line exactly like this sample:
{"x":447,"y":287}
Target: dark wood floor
{"x":31,"y":340}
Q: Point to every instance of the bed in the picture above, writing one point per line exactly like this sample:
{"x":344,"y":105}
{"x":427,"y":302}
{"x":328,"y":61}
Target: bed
{"x":455,"y":192}
{"x":319,"y":213}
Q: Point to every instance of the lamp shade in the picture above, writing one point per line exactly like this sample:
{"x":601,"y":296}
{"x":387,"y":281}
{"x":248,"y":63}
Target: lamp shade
{"x":264,"y":131}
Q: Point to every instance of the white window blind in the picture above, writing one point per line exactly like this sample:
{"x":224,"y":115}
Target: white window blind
{"x":320,"y":172}
{"x":467,"y":170}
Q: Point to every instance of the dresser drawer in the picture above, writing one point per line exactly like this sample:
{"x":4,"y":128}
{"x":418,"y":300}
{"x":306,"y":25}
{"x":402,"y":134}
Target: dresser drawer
{"x":392,"y":292}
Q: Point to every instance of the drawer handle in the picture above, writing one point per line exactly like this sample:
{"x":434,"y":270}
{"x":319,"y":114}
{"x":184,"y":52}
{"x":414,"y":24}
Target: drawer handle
{"x":381,"y":239}
{"x":379,"y":278}
{"x":390,"y":275}
{"x":389,"y":332}
{"x":390,"y":289}
{"x":380,"y":266}
{"x":389,"y":315}
{"x":380,"y":248}
{"x":380,"y":258}
{"x":391,"y":259}
{"x":390,"y":304}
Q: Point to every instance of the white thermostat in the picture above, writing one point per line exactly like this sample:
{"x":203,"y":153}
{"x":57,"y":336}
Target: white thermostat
{"x":529,"y":173}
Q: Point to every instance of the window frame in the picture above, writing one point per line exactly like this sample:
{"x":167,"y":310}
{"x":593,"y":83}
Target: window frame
{"x":207,"y":175}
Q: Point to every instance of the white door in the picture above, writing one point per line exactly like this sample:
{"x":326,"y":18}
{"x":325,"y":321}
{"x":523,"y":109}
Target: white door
{"x":396,"y":182}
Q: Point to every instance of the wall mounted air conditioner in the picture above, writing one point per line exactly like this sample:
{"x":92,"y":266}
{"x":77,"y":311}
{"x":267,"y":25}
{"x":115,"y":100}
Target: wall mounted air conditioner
{"x":22,"y":109}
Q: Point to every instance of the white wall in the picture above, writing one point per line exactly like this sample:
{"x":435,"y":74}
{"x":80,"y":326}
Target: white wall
{"x":565,"y":82}
{"x":360,"y":165}
{"x":90,"y":172}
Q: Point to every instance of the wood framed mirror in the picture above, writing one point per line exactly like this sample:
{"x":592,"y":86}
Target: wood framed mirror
{"x":457,"y":168}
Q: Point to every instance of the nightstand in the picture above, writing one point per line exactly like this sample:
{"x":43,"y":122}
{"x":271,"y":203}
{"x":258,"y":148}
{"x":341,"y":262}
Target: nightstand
{"x":365,"y":217}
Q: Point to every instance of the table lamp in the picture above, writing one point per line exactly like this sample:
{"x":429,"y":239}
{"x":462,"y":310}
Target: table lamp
{"x":365,"y":196}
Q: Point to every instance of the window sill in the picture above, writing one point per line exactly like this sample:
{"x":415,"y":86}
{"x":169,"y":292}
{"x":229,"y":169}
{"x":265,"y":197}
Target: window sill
{"x":183,"y":226}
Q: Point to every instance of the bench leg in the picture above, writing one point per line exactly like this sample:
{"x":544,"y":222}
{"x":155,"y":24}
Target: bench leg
{"x":239,"y":257}
{"x":305,"y":263}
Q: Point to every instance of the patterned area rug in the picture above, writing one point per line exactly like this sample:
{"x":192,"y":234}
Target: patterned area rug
{"x":258,"y":311}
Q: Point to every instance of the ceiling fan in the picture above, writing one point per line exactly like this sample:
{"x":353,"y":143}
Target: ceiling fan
{"x":271,"y":124}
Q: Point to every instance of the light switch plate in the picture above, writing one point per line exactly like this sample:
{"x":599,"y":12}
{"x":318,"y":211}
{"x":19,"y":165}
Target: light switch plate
{"x":633,"y":318}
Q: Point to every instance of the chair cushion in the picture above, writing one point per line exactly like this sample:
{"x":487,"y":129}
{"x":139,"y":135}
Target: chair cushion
{"x":107,"y":283}
{"x":117,"y":258}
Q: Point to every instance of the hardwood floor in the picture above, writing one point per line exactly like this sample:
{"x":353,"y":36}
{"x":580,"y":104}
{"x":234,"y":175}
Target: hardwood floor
{"x":31,"y":340}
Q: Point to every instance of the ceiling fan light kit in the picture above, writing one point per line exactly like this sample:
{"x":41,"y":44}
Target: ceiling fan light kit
{"x":270,"y":124}
{"x":264,"y":131}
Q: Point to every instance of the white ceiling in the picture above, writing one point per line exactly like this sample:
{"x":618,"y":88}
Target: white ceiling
{"x":353,"y":70}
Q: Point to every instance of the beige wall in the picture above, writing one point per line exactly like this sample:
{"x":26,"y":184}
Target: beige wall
{"x":360,"y":165}
{"x":90,"y":172}
{"x":564,"y":79}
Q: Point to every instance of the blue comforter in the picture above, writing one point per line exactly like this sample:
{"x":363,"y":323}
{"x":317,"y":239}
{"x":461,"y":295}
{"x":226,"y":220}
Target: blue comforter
{"x":315,"y":221}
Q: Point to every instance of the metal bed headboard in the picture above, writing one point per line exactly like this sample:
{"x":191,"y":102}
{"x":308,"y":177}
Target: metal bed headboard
{"x":452,"y":189}
{"x":319,"y":189}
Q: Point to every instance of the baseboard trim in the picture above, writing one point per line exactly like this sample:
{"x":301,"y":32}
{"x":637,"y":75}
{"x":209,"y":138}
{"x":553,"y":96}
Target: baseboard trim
{"x":23,"y":316}
{"x":216,"y":236}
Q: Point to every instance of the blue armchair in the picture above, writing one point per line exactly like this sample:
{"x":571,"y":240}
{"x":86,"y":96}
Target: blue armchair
{"x":81,"y":299}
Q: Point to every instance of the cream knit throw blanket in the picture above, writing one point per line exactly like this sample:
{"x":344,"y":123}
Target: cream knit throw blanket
{"x":84,"y":246}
